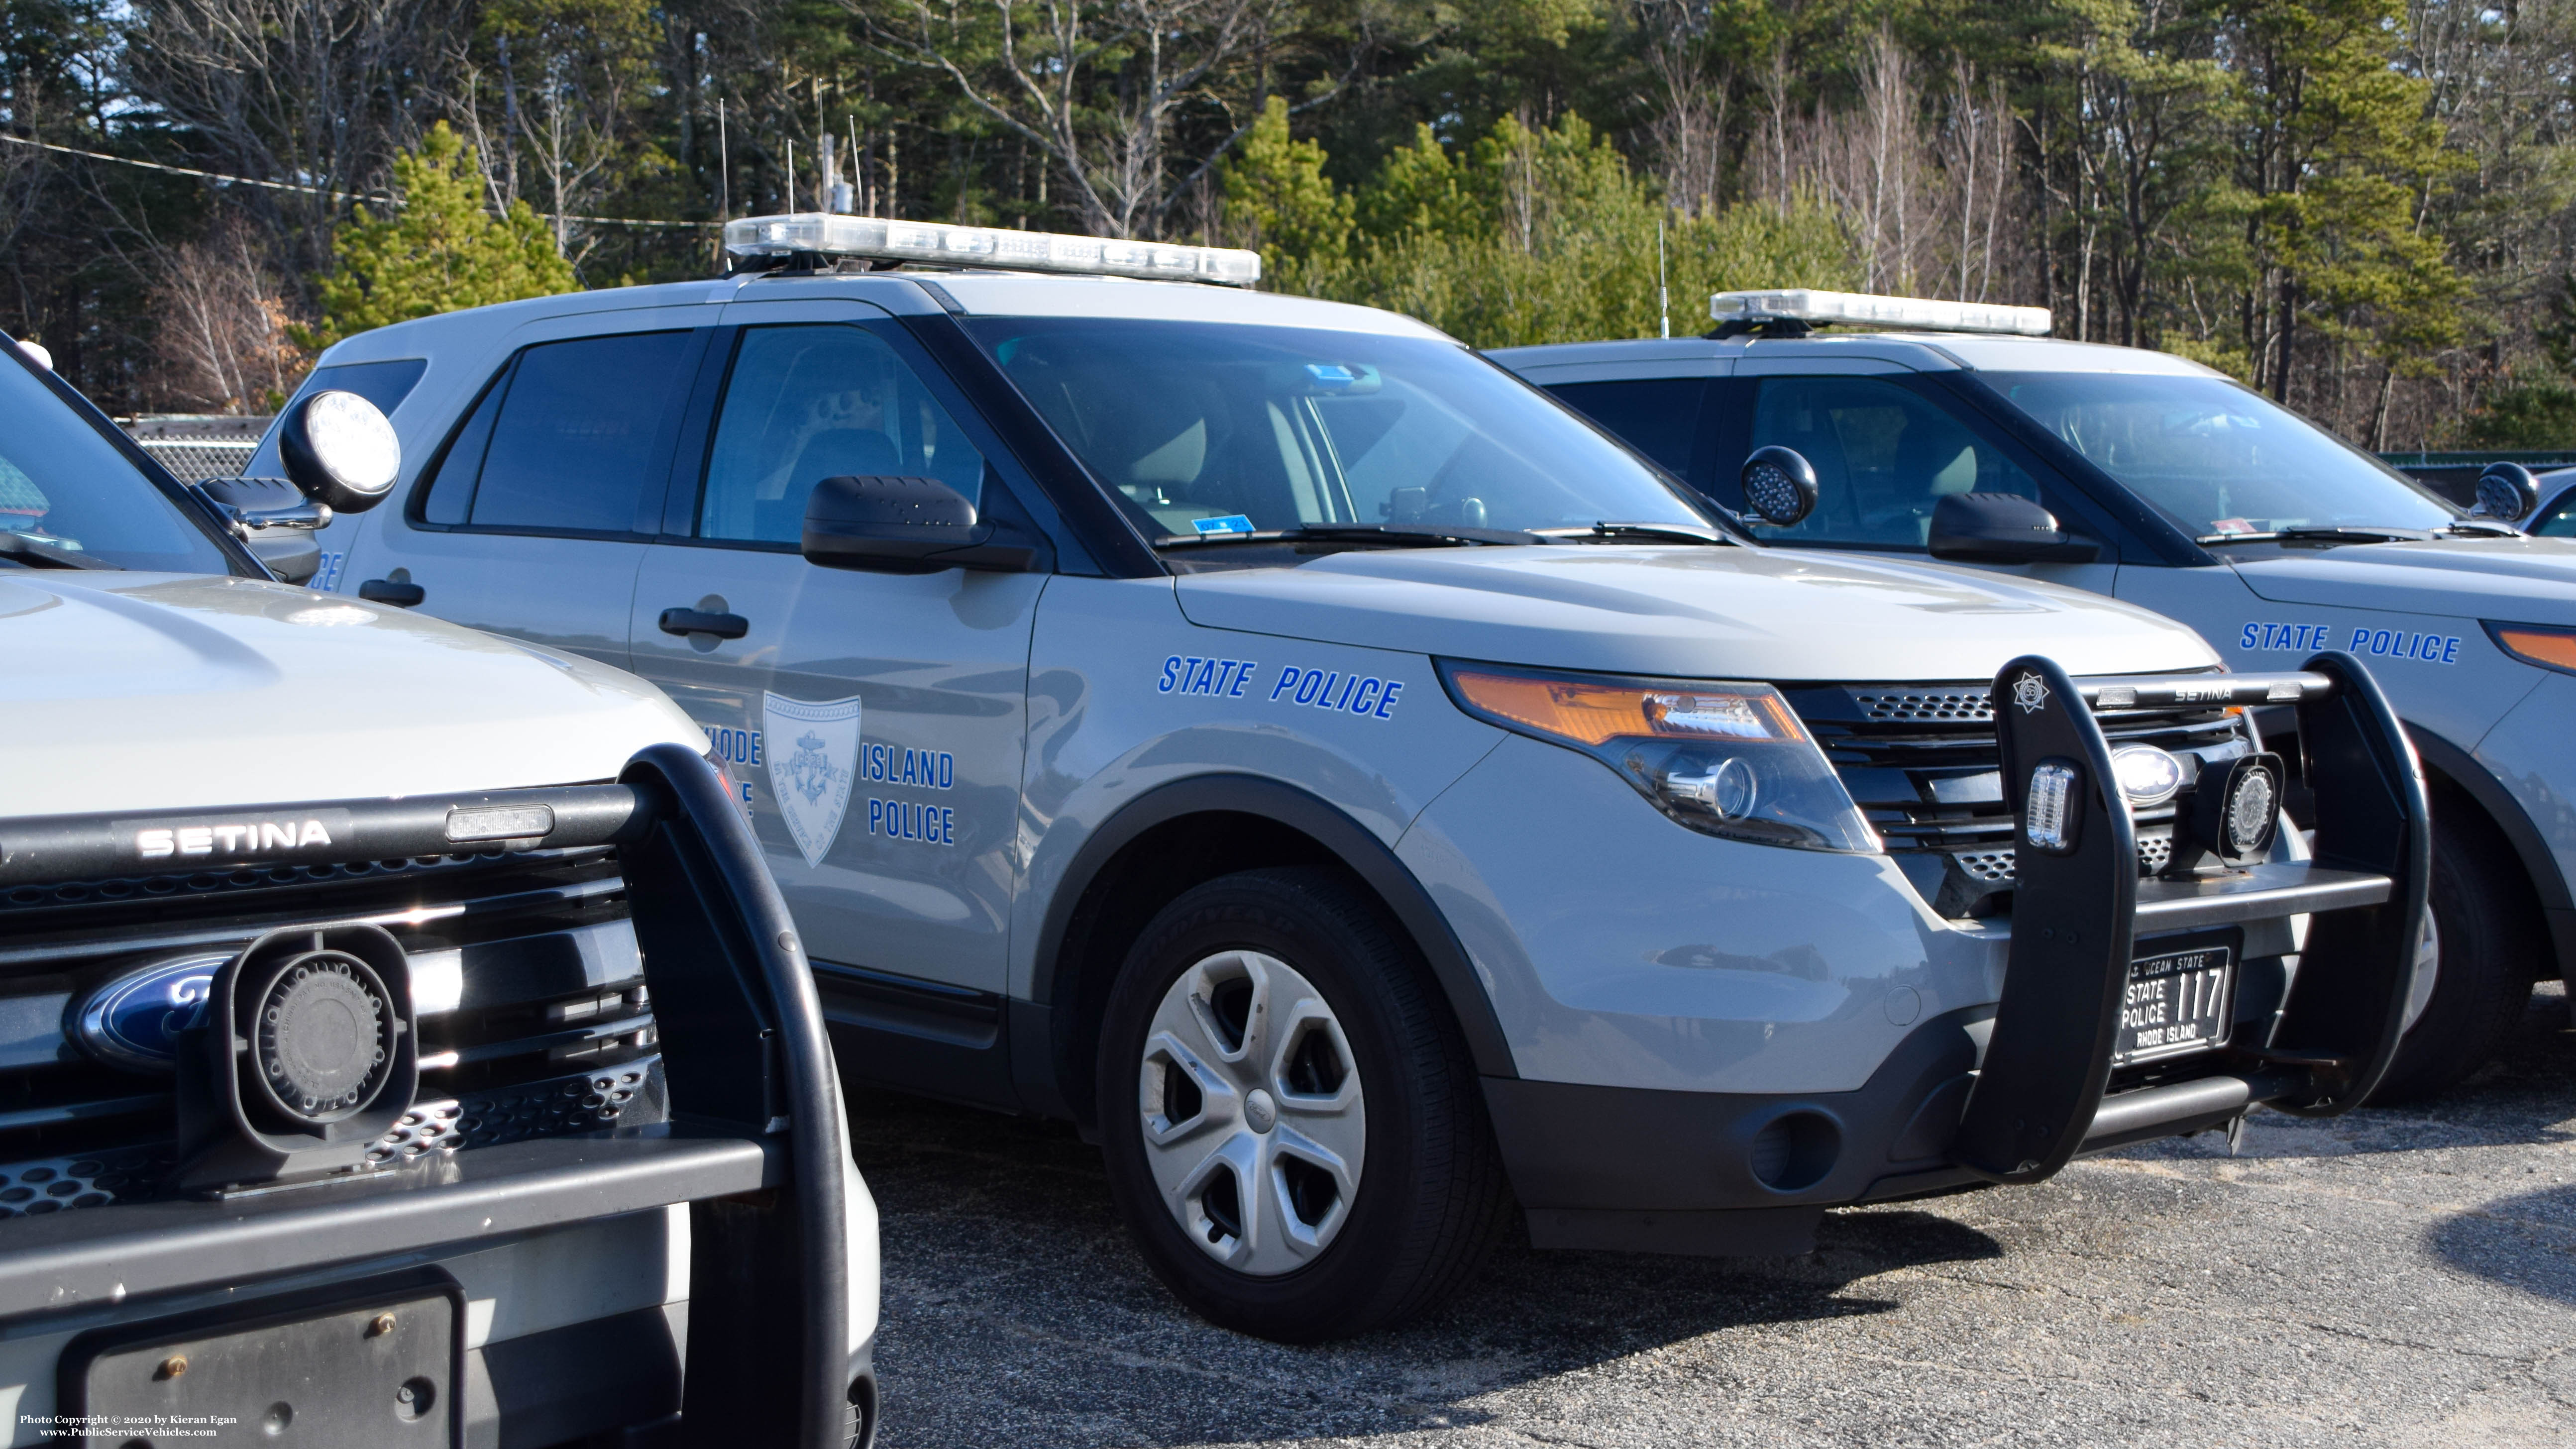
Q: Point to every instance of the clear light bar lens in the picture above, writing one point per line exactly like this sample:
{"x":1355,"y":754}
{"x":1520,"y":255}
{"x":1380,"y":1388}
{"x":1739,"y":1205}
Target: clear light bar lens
{"x":1804,"y":304}
{"x":827,"y":234}
{"x":2047,"y":820}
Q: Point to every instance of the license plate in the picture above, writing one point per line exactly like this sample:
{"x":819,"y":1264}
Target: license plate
{"x":2176,"y":1003}
{"x":378,"y":1373}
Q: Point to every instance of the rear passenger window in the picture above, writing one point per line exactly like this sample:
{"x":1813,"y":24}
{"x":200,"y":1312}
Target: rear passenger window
{"x":813,"y":401}
{"x":570,"y":440}
{"x":1656,"y":416}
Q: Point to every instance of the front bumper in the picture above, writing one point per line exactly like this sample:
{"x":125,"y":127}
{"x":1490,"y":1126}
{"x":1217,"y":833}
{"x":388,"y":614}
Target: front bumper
{"x":779,"y":1289}
{"x":2002,"y":1085}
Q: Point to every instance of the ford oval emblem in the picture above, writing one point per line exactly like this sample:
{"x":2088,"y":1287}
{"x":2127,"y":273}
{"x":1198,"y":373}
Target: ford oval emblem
{"x":134,"y":1021}
{"x":2148,"y":775}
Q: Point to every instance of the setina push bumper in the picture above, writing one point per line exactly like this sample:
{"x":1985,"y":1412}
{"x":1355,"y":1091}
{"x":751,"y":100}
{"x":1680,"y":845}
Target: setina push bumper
{"x":288,"y":1178}
{"x":2149,"y":988}
{"x":2116,"y":1022}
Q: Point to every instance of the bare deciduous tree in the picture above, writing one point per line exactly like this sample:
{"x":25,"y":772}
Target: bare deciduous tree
{"x":1101,"y":87}
{"x":222,"y":343}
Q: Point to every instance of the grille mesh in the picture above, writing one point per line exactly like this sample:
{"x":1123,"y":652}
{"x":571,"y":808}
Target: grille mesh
{"x":1955,"y":706}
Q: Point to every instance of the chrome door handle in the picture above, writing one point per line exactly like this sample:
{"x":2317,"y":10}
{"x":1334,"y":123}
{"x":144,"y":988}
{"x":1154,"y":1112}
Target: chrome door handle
{"x":386,"y":591}
{"x":694,"y":621}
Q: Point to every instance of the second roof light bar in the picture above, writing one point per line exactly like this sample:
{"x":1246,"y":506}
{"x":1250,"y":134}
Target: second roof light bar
{"x":1912,"y":314}
{"x":826,"y":234}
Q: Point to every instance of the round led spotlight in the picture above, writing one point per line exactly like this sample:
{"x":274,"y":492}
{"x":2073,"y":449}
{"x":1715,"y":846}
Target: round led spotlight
{"x":2253,"y":806}
{"x":323,"y":1036}
{"x":2506,"y":491}
{"x":340,"y":451}
{"x":2148,"y":775}
{"x":1779,"y":485}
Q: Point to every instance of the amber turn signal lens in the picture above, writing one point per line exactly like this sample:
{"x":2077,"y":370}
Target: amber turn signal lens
{"x":2548,"y":648}
{"x":1590,"y":713}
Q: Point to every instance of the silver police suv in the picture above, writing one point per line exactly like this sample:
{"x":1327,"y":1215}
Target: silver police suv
{"x":1965,"y":433}
{"x":403,"y":1042}
{"x":1364,"y":795}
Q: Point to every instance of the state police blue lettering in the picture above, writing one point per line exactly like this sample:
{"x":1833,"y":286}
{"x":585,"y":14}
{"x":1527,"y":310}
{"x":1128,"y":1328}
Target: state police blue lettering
{"x":893,"y":765}
{"x":1190,"y":674}
{"x":2399,"y":644}
{"x":2384,"y":643}
{"x":922,"y":824}
{"x":1360,"y":694}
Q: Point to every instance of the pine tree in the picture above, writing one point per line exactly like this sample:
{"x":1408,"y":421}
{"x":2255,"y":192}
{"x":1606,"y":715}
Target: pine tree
{"x":1278,"y":201}
{"x":439,"y":250}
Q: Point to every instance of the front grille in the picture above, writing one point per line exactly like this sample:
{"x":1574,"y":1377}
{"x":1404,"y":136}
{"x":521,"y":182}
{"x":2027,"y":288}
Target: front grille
{"x":1922,"y":764}
{"x":527,"y":987}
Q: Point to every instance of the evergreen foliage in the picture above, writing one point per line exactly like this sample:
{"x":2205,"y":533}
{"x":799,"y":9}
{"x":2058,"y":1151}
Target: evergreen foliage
{"x":438,"y":250}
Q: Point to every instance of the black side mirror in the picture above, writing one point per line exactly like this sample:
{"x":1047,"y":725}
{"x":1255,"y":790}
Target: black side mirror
{"x":2506,"y":492}
{"x":339,"y":451}
{"x":273,"y":519}
{"x":1779,"y":485}
{"x":905,"y":526}
{"x":1998,"y":528}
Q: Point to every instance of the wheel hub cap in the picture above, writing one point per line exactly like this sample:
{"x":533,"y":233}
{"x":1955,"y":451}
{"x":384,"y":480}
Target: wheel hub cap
{"x":1255,"y":1124}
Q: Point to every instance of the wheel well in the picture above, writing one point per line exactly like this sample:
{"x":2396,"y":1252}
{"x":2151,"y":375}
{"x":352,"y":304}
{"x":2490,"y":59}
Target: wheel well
{"x":1146,"y":874}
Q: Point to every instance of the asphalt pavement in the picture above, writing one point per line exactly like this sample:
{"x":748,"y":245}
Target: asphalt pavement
{"x":2403,"y":1276}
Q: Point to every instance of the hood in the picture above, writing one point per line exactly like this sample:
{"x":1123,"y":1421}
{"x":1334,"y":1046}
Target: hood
{"x":163,"y":691}
{"x":2517,"y":580}
{"x":1698,"y":613}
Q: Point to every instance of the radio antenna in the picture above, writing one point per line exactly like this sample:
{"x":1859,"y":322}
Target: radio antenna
{"x":1663,"y":293}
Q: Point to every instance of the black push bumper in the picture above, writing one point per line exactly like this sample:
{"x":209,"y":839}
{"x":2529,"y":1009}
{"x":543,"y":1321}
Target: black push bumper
{"x":2080,"y":907}
{"x":756,"y":1145}
{"x":2013,"y":1091}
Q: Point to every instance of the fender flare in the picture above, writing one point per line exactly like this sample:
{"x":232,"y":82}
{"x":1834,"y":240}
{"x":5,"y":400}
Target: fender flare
{"x":2539,"y":866}
{"x":1345,"y":839}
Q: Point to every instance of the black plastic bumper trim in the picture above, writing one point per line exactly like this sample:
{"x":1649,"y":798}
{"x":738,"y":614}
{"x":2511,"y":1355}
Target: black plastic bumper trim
{"x":2169,"y":1111}
{"x":105,"y":1255}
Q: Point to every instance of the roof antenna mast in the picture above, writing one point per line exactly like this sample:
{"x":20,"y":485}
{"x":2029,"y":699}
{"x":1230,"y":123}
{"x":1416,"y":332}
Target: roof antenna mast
{"x":1663,"y":292}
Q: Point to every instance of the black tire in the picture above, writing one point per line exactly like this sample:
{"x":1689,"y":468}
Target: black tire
{"x":1430,"y":1199}
{"x":2485,"y":923}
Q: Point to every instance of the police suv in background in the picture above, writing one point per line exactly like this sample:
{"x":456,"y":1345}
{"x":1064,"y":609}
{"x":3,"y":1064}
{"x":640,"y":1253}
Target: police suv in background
{"x":1359,"y":792}
{"x":1962,"y":433}
{"x":342,"y":1106}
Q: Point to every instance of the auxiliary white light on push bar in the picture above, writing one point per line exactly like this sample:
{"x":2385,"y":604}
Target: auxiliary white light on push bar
{"x":830,"y":235}
{"x":1912,"y":314}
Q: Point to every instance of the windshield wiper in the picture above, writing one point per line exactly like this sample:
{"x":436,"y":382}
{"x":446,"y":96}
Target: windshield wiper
{"x":2347,"y":533}
{"x":35,"y":553}
{"x":2482,"y":528}
{"x":1407,"y":534}
{"x":1605,"y":532}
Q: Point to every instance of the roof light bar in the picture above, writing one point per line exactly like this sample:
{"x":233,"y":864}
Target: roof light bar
{"x":827,"y":234}
{"x":1919,"y":314}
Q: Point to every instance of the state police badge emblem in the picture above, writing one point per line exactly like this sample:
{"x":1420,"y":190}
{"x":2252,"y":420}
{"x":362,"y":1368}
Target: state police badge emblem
{"x":2030,"y":692}
{"x":811,"y":778}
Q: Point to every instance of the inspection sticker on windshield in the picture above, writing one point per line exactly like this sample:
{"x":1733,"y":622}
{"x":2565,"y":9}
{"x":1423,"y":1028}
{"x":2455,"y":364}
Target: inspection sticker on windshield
{"x":1231,"y":523}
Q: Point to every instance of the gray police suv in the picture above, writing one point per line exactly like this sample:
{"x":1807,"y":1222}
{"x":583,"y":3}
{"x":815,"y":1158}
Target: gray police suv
{"x":1362,"y":794}
{"x":401,"y":1040}
{"x":2151,"y":479}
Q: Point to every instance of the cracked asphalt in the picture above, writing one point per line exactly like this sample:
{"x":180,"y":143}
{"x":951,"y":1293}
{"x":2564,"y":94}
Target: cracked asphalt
{"x":2398,"y":1277}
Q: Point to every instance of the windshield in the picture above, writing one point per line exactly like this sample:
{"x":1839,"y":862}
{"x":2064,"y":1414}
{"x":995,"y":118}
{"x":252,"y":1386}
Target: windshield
{"x":1206,"y":428}
{"x":2219,"y":459}
{"x":71,"y":492}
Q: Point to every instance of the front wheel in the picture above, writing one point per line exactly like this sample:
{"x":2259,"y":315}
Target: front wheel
{"x":1292,"y":1128}
{"x":2480,"y":952}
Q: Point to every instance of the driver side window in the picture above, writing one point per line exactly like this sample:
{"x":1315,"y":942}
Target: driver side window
{"x":813,"y":401}
{"x":1884,"y":459}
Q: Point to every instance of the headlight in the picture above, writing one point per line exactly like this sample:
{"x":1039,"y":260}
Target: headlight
{"x":2534,"y":644}
{"x":1724,"y":759}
